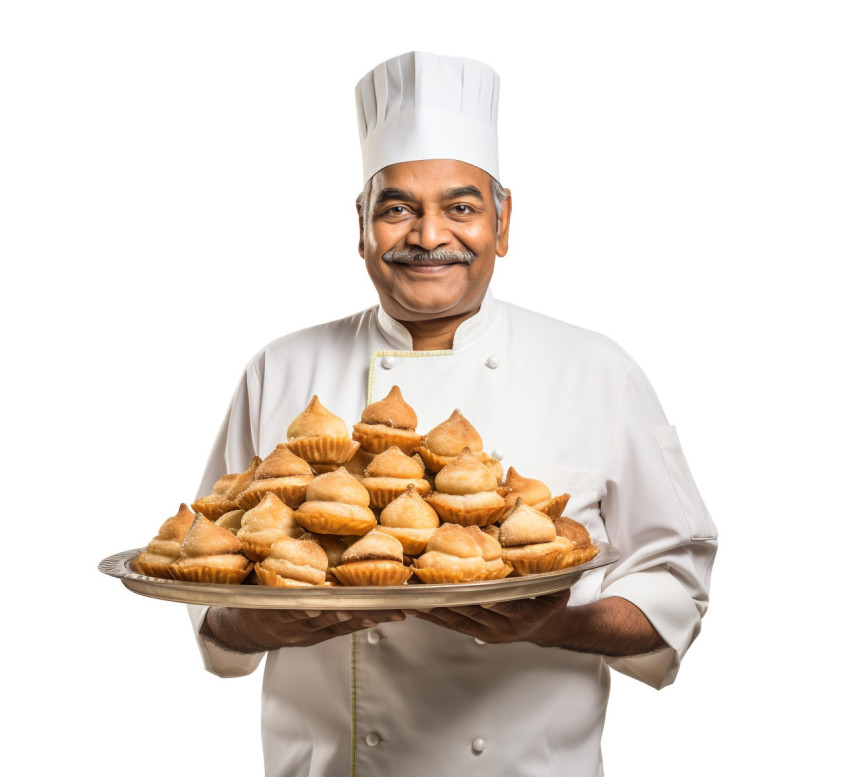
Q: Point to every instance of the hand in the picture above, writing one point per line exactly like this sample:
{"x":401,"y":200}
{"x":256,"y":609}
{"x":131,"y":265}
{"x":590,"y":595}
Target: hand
{"x":537,"y":620}
{"x":255,"y":631}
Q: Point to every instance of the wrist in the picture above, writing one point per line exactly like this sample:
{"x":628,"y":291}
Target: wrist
{"x":225,"y":627}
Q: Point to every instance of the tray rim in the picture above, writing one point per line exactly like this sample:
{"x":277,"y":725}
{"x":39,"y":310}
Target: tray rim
{"x":418,"y":596}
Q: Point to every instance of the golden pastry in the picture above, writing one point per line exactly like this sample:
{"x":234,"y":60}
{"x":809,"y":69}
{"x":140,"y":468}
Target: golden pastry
{"x":494,"y":465}
{"x":163,"y":550}
{"x":530,"y":543}
{"x":452,"y":555}
{"x":264,"y":524}
{"x":334,"y":546}
{"x":320,"y":437}
{"x":446,"y":440}
{"x":336,"y":504}
{"x":231,"y":521}
{"x":357,"y":464}
{"x":225,"y":494}
{"x":293,"y":563}
{"x":583,"y":548}
{"x":210,"y":554}
{"x":389,"y":475}
{"x":411,"y":520}
{"x":387,"y":423}
{"x":374,"y":559}
{"x":533,"y":492}
{"x":282,"y":473}
{"x":466,"y":492}
{"x":491,"y":551}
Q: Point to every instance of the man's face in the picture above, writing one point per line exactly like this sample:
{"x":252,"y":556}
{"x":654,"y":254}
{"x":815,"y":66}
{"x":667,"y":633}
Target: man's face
{"x":430,"y":243}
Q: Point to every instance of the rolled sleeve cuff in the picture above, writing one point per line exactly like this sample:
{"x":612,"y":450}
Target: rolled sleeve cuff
{"x":671,"y":611}
{"x":217,"y":660}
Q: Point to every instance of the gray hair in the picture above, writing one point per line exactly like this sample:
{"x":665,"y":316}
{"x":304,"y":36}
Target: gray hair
{"x":499,"y":193}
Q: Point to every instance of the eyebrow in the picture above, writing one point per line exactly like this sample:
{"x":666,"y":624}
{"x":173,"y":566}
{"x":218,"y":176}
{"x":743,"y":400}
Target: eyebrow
{"x":394,"y":194}
{"x":464,"y":191}
{"x":450,"y":194}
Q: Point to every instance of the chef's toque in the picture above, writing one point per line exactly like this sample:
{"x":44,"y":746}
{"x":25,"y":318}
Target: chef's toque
{"x":424,"y":106}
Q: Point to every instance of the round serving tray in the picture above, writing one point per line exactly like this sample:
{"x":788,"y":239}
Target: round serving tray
{"x":399,"y":597}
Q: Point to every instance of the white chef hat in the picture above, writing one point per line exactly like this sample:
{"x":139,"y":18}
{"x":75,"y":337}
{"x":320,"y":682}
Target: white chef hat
{"x":425,"y":106}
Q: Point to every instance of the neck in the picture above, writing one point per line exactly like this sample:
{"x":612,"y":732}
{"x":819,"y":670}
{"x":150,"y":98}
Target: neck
{"x":435,"y":334}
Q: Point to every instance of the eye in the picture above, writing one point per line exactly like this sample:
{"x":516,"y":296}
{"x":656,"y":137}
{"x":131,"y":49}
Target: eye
{"x":396,"y":210}
{"x":462,"y":209}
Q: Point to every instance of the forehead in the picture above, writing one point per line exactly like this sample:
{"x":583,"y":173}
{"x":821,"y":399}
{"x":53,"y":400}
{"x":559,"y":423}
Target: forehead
{"x":431,"y":179}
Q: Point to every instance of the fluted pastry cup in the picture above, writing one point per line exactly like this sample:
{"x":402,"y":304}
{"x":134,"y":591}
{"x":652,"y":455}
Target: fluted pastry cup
{"x":375,"y":559}
{"x":479,"y":509}
{"x":290,"y":490}
{"x":293,"y":563}
{"x":210,"y":554}
{"x":335,"y":518}
{"x":231,"y":569}
{"x":164,"y":549}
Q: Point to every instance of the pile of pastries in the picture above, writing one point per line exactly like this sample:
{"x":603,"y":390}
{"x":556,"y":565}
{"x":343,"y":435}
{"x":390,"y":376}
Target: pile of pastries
{"x":384,"y":506}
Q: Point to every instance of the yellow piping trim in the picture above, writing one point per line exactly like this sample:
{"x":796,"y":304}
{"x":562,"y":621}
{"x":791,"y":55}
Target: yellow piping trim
{"x":353,"y":705}
{"x":406,"y":354}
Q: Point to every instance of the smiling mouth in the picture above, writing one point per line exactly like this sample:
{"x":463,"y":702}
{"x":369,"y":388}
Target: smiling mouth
{"x":416,"y":256}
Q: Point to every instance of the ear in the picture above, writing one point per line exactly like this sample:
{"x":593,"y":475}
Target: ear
{"x":361,"y":246}
{"x":504,"y":227}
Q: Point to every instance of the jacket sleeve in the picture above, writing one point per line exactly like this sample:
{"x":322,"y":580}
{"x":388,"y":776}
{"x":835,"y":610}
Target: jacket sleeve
{"x":234,"y":447}
{"x":655,"y":516}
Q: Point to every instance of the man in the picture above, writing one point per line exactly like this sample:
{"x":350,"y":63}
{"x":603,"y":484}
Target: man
{"x":509,"y":689}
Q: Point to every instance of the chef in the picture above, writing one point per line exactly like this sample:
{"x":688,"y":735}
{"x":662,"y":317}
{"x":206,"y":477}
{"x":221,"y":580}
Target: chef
{"x":518,"y":688}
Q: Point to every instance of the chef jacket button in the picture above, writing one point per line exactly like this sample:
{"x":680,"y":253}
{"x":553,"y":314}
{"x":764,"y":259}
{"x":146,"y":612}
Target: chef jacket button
{"x":479,"y":642}
{"x":373,"y":739}
{"x":492,"y":362}
{"x":373,"y":637}
{"x":478,"y":745}
{"x":388,"y":362}
{"x":498,"y":454}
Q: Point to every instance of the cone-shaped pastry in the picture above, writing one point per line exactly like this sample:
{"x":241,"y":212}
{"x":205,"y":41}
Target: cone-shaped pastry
{"x":336,"y":504}
{"x":533,"y":492}
{"x":265,"y":524}
{"x":583,"y":548}
{"x":494,"y":465}
{"x":320,"y":437}
{"x":494,"y":566}
{"x":466,"y":492}
{"x":389,"y":475}
{"x":210,"y":554}
{"x":226,"y":492}
{"x":375,"y":559}
{"x":333,"y":546}
{"x":452,"y":555}
{"x":282,"y":473}
{"x":357,"y":464}
{"x":231,"y":521}
{"x":387,"y":423}
{"x":447,"y":440}
{"x":163,"y":550}
{"x":530,"y":543}
{"x":411,"y":520}
{"x":293,"y":563}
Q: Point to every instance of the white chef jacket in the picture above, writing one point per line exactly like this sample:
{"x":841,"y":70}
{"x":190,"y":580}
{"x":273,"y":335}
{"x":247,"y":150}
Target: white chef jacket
{"x":558,"y":403}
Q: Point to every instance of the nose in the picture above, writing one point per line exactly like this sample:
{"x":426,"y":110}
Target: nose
{"x":429,"y":232}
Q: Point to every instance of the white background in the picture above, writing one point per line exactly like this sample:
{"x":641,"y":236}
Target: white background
{"x":177,"y":184}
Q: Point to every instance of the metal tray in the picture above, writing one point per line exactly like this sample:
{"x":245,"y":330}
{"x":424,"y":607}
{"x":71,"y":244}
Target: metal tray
{"x":400,"y":597}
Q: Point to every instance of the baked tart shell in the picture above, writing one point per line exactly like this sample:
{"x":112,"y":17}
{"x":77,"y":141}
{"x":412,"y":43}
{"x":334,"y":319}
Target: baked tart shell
{"x":324,"y":450}
{"x":335,"y":518}
{"x":373,"y":572}
{"x":377,"y":438}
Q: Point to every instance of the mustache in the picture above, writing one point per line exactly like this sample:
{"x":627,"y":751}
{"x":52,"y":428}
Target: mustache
{"x":421,"y":256}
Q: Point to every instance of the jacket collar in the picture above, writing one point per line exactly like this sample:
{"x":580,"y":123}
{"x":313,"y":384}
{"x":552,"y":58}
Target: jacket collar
{"x":470,"y":331}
